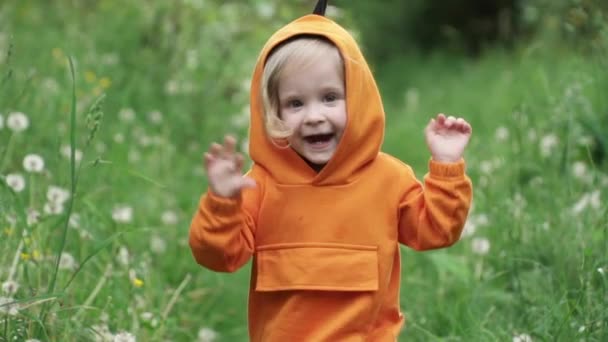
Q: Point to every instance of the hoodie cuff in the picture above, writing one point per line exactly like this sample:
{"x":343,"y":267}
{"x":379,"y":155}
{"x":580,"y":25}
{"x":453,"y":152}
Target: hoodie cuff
{"x":220,"y":205}
{"x":446,"y":170}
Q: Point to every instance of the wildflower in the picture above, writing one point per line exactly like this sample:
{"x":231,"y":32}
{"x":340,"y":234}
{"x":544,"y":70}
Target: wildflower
{"x":53,"y":208}
{"x":169,"y":217}
{"x":588,"y":199}
{"x":171,"y":87}
{"x":522,"y":338}
{"x":66,"y":151}
{"x":67,"y":261}
{"x":602,"y":270}
{"x":57,"y":53}
{"x":9,"y":306}
{"x":15,"y":181}
{"x":137,"y":282}
{"x":124,"y":336}
{"x":502,"y":133}
{"x":480,"y":246}
{"x":105,"y":82}
{"x":123,"y":256}
{"x":33,"y":163}
{"x":10,"y":287}
{"x":74,"y":221}
{"x":155,"y":117}
{"x":206,"y":335}
{"x":334,"y":12}
{"x":56,"y":194}
{"x":122,"y":214}
{"x":547,"y":144}
{"x":90,"y":76}
{"x":119,"y":138}
{"x":126,"y":114}
{"x":32,"y":216}
{"x":17,"y":122}
{"x":102,"y":333}
{"x":157,"y":244}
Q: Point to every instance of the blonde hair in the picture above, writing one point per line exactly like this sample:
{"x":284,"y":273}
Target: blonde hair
{"x":303,"y":51}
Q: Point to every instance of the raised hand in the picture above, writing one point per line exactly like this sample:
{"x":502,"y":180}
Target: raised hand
{"x":224,"y":167}
{"x":447,"y":138}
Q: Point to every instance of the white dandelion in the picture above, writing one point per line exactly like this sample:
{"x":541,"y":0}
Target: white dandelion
{"x":157,"y":244}
{"x":522,"y":338}
{"x":57,"y":194}
{"x":502,"y":133}
{"x":33,"y":163}
{"x":123,"y":256}
{"x":207,"y":335}
{"x":122,"y":214}
{"x":126,"y":114}
{"x":66,"y":151}
{"x":33,"y":216}
{"x":53,"y":208}
{"x":155,"y":117}
{"x":10,"y":287}
{"x":547,"y":144}
{"x":15,"y":181}
{"x":17,"y":122}
{"x":101,"y":333}
{"x":480,"y":245}
{"x":169,"y":217}
{"x":67,"y":262}
{"x":124,"y":336}
{"x":8,"y":306}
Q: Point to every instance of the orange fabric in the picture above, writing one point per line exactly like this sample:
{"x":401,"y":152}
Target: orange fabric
{"x":325,"y":246}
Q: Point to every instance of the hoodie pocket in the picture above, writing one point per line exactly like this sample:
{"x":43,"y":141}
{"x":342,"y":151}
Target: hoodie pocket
{"x":317,"y":266}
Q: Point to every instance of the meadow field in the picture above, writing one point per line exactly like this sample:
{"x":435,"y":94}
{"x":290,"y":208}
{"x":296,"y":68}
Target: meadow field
{"x":106,"y":108}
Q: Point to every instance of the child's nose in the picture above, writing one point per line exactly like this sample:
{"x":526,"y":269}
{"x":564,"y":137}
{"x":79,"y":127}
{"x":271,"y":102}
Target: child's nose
{"x":314,"y":115}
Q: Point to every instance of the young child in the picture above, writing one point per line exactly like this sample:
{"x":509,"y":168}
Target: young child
{"x":322,"y":211}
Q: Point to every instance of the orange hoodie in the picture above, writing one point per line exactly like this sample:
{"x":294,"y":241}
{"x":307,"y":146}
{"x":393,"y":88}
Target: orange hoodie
{"x":325,"y":246}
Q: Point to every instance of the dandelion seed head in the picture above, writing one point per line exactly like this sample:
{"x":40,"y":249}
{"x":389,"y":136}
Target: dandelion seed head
{"x":56,"y":194}
{"x":101,"y":333}
{"x":67,"y":262}
{"x":15,"y":181}
{"x":547,"y":144}
{"x":119,"y":138}
{"x":17,"y":122}
{"x":53,"y":208}
{"x":169,"y":217}
{"x":33,"y":216}
{"x":502,"y":133}
{"x":10,"y":287}
{"x":157,"y":244}
{"x":123,"y":256}
{"x":66,"y":151}
{"x":207,"y":335}
{"x":155,"y":117}
{"x":33,"y":163}
{"x":480,"y":245}
{"x":8,"y":306}
{"x":122,"y":214}
{"x":126,"y":114}
{"x":602,"y":270}
{"x":522,"y":338}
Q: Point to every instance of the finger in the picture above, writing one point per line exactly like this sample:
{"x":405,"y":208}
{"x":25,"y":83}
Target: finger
{"x":247,"y":182}
{"x":449,"y":122}
{"x":208,"y":158}
{"x":441,"y":118}
{"x":215,"y":150}
{"x":229,"y":145}
{"x":239,"y":160}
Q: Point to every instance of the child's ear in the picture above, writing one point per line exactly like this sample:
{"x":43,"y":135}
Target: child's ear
{"x":320,"y":7}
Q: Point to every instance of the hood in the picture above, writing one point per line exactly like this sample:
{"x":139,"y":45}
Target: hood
{"x":364,"y":131}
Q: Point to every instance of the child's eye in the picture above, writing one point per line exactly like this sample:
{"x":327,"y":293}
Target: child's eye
{"x":330,"y":97}
{"x":294,"y":103}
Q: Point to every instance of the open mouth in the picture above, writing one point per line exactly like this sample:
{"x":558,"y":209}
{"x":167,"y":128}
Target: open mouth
{"x":319,"y":139}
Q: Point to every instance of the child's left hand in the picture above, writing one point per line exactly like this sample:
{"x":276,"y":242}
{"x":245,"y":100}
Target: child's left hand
{"x":447,"y":138}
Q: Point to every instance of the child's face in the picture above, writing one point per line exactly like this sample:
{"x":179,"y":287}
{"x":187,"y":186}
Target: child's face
{"x":312,"y":102}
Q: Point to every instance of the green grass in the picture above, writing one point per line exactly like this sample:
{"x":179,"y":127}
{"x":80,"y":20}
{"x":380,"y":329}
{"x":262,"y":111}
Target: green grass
{"x":541,"y":275}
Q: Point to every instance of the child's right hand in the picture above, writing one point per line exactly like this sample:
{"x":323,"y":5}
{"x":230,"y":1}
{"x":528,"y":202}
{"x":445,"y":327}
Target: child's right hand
{"x":224,"y":169}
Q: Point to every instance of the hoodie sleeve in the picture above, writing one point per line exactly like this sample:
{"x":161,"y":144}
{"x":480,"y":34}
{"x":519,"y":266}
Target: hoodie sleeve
{"x":433,"y":216}
{"x":222,"y":230}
